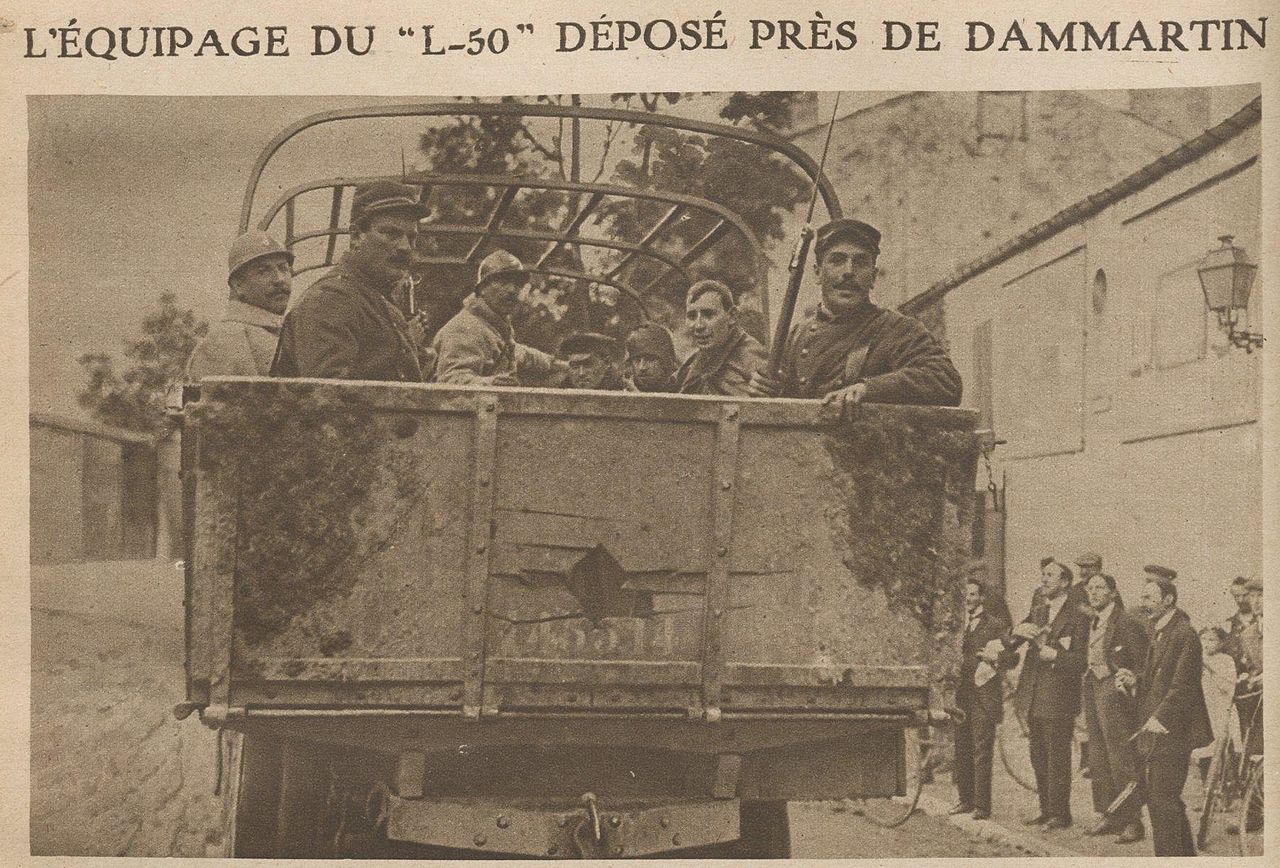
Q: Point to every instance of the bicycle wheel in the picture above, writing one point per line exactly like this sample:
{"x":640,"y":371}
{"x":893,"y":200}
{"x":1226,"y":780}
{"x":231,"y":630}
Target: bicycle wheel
{"x":1219,"y":794}
{"x":1013,"y":744}
{"x":1250,"y":810}
{"x":892,"y":813}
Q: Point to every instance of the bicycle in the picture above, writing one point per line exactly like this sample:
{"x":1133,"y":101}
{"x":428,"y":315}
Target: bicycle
{"x":1234,"y":784}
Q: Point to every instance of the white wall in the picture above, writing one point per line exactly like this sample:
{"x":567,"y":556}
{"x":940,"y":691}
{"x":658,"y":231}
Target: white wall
{"x":1131,"y":430}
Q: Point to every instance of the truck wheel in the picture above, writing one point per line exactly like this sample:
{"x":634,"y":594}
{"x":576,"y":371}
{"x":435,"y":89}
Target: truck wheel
{"x":763,"y":830}
{"x":255,"y":795}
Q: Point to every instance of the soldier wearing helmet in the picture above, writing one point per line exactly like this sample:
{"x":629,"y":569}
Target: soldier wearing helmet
{"x":345,"y":326}
{"x":242,"y":343}
{"x":478,"y":346}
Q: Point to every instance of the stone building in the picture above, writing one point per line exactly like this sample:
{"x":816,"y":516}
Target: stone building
{"x":1131,"y":423}
{"x":93,"y":492}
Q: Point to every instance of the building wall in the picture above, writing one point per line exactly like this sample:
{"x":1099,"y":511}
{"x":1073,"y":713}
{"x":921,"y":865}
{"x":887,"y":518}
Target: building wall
{"x":1131,"y":426}
{"x":93,"y":493}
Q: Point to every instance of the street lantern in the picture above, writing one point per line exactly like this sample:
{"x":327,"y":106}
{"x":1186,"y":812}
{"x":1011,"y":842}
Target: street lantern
{"x":1226,"y":277}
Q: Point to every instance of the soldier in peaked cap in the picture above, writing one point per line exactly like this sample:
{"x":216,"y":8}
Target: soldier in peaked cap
{"x":478,"y":346}
{"x":850,"y":350}
{"x":346,"y":326}
{"x":726,"y":357}
{"x":594,"y":362}
{"x":243,"y":342}
{"x":651,"y":358}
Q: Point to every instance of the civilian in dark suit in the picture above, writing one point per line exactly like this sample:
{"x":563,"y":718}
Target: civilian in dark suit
{"x":1056,"y":634}
{"x":1116,"y":641}
{"x":980,"y":695}
{"x":1174,"y":717}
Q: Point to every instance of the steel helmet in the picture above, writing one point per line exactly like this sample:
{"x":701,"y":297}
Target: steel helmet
{"x":252,"y":245}
{"x":496,"y":263}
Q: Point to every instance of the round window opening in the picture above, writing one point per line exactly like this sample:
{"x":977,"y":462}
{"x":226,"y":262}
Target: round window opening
{"x":1100,"y":293}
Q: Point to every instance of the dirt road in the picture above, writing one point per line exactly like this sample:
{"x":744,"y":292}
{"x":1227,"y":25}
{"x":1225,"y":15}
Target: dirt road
{"x":113,"y":773}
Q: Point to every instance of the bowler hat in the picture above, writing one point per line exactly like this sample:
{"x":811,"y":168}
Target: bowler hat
{"x":377,"y":197}
{"x":253,"y":245}
{"x":846,"y":229}
{"x":1161,"y":572}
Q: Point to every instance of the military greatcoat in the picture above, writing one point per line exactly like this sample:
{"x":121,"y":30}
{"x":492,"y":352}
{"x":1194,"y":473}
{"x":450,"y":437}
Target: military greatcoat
{"x":896,"y":356}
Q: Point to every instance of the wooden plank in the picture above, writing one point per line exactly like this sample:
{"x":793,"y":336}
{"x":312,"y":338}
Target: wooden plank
{"x":724,"y":480}
{"x":475,"y":592}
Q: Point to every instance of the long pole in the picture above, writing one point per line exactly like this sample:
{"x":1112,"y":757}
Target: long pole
{"x":798,"y":259}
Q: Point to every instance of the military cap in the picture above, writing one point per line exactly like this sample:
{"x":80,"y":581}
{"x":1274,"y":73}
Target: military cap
{"x":1253,"y":583}
{"x":846,"y":229}
{"x":652,"y":339}
{"x":589,"y":342}
{"x":251,"y":246}
{"x":1089,"y":559}
{"x":1161,"y":572}
{"x":377,"y":197}
{"x":496,"y":263}
{"x":702,"y":287}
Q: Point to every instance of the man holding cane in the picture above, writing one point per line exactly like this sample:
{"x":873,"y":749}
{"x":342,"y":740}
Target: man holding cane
{"x":1174,"y":717}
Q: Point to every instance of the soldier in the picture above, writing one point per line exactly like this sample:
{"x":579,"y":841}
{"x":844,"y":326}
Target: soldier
{"x":1049,"y":690}
{"x":849,"y":350}
{"x":1174,"y":718}
{"x":478,"y":345}
{"x":593,"y":362}
{"x":726,"y":357}
{"x":1116,"y":641}
{"x":651,"y":358}
{"x":979,"y":694}
{"x":345,"y":326}
{"x":243,"y":342}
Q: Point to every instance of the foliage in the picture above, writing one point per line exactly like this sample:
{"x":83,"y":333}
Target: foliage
{"x":758,"y":186}
{"x":135,"y":399}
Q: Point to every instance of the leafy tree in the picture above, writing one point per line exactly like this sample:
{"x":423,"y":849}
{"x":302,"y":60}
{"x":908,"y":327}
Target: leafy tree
{"x":135,"y":399}
{"x":748,"y":180}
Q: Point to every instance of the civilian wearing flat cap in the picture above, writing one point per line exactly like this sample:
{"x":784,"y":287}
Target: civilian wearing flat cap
{"x":1172,"y":715}
{"x":594,"y":362}
{"x":478,"y":346}
{"x":345,"y":326}
{"x":651,"y":358}
{"x":850,"y":350}
{"x":243,"y":342}
{"x":726,"y":357}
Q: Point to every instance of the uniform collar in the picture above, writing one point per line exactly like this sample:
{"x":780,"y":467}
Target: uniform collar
{"x":478,"y":306}
{"x":239,"y":311}
{"x":861,"y":312}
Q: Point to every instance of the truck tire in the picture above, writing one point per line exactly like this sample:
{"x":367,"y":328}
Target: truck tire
{"x":763,"y":831}
{"x":255,"y":795}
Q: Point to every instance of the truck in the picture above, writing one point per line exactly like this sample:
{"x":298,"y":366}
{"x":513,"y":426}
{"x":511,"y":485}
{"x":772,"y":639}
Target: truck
{"x":532,"y":622}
